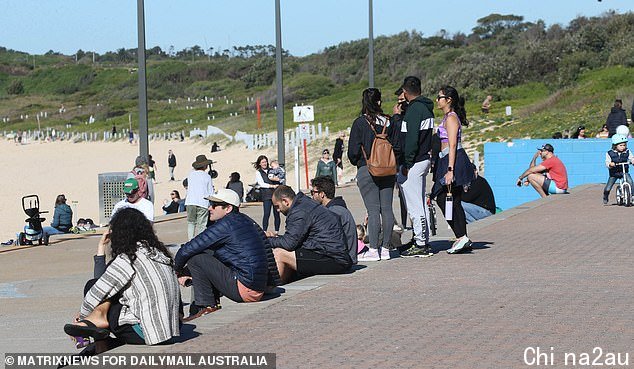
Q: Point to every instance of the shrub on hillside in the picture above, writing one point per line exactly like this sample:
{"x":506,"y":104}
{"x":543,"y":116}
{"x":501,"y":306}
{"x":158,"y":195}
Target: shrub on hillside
{"x":16,"y":87}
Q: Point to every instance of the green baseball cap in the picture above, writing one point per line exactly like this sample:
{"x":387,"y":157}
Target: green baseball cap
{"x":130,"y":185}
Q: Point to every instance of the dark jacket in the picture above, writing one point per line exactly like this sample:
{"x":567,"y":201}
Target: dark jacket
{"x":619,"y":157}
{"x":237,"y":187}
{"x":481,"y":194}
{"x":239,"y":243}
{"x":338,"y":206}
{"x":361,"y":135}
{"x":337,"y":153}
{"x":416,"y":131}
{"x":616,"y":118}
{"x":313,"y":227}
{"x":62,"y":218}
{"x":172,"y":207}
{"x":171,"y":161}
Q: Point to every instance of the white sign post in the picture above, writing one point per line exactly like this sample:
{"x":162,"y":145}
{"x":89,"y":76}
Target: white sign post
{"x":303,"y":114}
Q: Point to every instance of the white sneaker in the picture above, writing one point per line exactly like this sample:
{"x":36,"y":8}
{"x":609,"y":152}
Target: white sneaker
{"x":370,"y":255}
{"x":461,"y":245}
{"x":385,"y":254}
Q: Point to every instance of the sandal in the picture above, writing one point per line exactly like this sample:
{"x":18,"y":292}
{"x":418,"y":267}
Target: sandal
{"x":88,"y":330}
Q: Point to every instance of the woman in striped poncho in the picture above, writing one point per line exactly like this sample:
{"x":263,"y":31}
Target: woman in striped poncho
{"x":136,"y":297}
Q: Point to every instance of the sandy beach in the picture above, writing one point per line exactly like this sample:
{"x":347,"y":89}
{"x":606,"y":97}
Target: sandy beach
{"x":52,"y":168}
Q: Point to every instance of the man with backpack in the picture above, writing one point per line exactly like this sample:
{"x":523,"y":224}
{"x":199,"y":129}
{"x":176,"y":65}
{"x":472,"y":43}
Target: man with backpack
{"x":415,"y":139}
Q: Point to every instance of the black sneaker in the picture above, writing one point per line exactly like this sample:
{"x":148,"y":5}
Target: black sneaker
{"x":417,"y":252}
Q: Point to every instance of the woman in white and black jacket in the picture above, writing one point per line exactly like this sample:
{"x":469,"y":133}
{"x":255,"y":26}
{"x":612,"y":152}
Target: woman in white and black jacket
{"x":377,"y":192}
{"x":267,"y":184}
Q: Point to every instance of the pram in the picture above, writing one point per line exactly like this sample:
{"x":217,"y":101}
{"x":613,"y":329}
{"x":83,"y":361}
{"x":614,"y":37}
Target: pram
{"x":254,"y":194}
{"x":33,"y":231}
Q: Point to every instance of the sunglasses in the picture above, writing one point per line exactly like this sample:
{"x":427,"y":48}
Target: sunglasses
{"x":215,"y":204}
{"x":312,"y":192}
{"x":131,"y":194}
{"x":441,"y":97}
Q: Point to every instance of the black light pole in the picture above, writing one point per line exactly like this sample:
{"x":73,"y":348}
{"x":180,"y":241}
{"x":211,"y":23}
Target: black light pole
{"x":371,"y":47}
{"x":143,"y":125}
{"x":281,"y":152}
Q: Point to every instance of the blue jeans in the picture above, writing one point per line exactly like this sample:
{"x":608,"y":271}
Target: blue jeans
{"x":51,"y":230}
{"x":474,"y":212}
{"x":612,"y":181}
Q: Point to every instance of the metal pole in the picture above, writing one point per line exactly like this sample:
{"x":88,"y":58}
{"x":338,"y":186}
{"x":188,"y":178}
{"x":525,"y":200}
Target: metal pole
{"x":281,"y":152}
{"x":371,"y":47}
{"x":143,"y":125}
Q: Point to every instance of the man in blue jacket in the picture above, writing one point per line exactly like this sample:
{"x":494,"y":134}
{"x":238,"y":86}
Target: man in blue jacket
{"x":232,"y":257}
{"x":314,"y":241}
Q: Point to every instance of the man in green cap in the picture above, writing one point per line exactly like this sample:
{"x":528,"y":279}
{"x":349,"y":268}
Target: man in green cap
{"x":134,"y":200}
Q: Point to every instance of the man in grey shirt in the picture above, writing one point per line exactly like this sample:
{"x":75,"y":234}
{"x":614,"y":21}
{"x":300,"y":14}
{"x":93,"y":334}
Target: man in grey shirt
{"x":323,"y":191}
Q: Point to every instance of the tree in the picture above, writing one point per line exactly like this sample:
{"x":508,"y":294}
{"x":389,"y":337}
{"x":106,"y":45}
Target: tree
{"x":493,"y":24}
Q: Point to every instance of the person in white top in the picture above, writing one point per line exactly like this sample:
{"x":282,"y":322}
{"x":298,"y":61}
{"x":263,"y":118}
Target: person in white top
{"x":199,"y":187}
{"x":134,"y":200}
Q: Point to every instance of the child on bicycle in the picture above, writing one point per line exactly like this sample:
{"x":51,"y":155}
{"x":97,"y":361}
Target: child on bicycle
{"x":618,"y":154}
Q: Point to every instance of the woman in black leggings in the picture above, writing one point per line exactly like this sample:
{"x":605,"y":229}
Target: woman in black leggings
{"x":267,"y":184}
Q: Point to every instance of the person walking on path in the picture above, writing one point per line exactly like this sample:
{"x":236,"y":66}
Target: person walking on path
{"x":267,"y":185}
{"x":337,"y":156}
{"x":376,"y":192}
{"x":548,"y":178}
{"x":326,"y":166}
{"x":453,"y":170}
{"x":199,"y":187}
{"x":617,"y":117}
{"x":62,"y":218}
{"x":416,"y":132}
{"x":171,"y":163}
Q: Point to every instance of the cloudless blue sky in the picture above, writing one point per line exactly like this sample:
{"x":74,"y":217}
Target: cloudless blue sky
{"x":36,"y":26}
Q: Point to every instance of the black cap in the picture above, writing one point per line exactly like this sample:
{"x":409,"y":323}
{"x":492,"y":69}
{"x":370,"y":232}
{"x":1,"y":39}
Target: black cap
{"x":547,"y":147}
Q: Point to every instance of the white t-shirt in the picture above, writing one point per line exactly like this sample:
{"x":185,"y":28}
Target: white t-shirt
{"x":143,"y":205}
{"x":199,"y":187}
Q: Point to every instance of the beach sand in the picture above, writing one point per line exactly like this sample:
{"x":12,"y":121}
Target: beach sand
{"x":53,"y":168}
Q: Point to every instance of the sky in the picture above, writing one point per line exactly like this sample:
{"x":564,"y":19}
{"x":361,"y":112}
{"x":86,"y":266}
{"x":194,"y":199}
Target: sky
{"x":36,"y":26}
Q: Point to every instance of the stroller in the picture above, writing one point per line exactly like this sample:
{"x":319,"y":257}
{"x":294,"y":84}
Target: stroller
{"x":33,"y":231}
{"x":254,"y":194}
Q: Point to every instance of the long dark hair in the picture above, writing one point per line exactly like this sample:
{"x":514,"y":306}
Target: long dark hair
{"x":371,"y":104}
{"x":457,"y":103}
{"x":129,"y":226}
{"x":256,"y":165}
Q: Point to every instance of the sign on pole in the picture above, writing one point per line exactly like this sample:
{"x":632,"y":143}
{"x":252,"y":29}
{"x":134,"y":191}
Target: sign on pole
{"x":304,"y":113}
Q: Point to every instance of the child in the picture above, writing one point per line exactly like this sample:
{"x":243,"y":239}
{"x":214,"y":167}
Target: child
{"x":618,"y":154}
{"x":361,"y":247}
{"x":277,"y":173}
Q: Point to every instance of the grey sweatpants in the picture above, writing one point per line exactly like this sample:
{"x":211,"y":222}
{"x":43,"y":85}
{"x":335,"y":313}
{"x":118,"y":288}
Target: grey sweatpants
{"x":377,"y":196}
{"x":414,"y":191}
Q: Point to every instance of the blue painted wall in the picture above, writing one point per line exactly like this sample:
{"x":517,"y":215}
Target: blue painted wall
{"x":504,"y":162}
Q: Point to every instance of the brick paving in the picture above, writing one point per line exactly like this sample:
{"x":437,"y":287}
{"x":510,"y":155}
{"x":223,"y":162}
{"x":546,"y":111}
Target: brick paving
{"x":553,"y":273}
{"x":556,"y":275}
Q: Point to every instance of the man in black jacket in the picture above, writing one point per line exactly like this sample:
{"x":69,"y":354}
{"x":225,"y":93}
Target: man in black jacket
{"x":416,"y":132}
{"x":171,"y":163}
{"x":617,"y":117}
{"x":314,"y":241}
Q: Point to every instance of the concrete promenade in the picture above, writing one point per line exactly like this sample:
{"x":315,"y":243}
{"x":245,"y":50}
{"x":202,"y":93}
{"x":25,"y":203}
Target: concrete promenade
{"x":555,"y":272}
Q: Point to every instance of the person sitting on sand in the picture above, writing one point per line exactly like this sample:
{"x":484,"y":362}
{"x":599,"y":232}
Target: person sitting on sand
{"x":136,"y":297}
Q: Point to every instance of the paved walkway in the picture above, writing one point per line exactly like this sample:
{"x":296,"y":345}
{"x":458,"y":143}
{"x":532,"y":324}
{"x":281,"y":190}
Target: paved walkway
{"x":556,"y":273}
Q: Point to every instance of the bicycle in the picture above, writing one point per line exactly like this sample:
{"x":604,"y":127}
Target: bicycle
{"x":624,"y":189}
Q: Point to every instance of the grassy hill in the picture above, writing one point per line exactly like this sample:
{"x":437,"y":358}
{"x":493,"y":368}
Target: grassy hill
{"x":555,"y":78}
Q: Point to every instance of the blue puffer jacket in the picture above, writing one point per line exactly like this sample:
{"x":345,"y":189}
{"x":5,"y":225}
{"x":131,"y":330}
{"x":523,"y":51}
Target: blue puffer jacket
{"x":238,"y":242}
{"x":62,"y":218}
{"x":313,"y":227}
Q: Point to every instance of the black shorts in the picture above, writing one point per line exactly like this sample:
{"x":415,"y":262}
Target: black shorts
{"x":311,"y":263}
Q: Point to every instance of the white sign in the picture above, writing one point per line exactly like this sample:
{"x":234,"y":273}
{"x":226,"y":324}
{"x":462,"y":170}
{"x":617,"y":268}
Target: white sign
{"x":304,"y":113}
{"x":304,"y":131}
{"x":509,"y":110}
